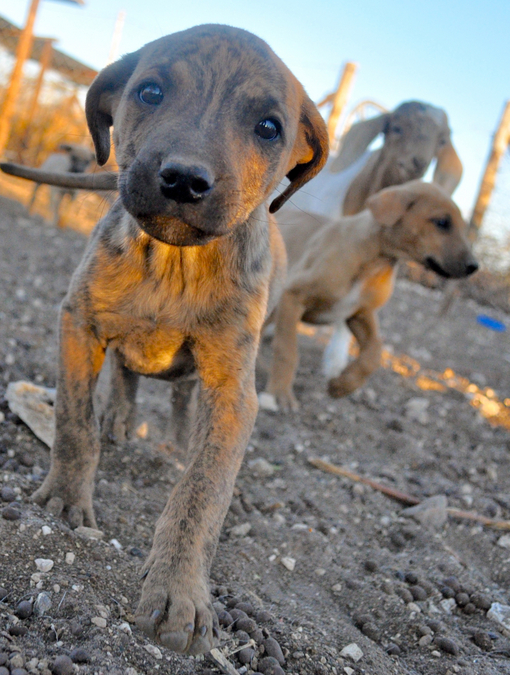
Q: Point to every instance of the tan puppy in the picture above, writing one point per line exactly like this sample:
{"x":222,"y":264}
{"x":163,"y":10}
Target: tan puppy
{"x":177,"y":279}
{"x":341,"y":271}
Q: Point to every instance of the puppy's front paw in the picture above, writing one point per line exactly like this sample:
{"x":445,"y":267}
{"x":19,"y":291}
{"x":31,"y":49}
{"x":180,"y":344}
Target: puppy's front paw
{"x":343,"y":385}
{"x":65,"y":497}
{"x":279,"y":400}
{"x":177,"y":611}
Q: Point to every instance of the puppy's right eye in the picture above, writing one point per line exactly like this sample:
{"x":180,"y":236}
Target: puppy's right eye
{"x":151,"y":94}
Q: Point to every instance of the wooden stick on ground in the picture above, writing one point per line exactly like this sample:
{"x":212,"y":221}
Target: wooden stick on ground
{"x":402,"y":496}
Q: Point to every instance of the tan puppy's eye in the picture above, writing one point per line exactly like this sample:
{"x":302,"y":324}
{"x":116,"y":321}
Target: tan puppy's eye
{"x":444,"y":224}
{"x":150,"y":93}
{"x":268,"y":129}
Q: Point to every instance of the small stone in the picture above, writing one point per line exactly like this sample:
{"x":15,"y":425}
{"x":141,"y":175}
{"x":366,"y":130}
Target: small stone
{"x":3,"y":593}
{"x":240,"y":530}
{"x":416,"y":409}
{"x":89,"y":532}
{"x":418,"y":592}
{"x":4,"y":671}
{"x":500,"y":613}
{"x":7,"y":494}
{"x":153,"y":651}
{"x":44,"y":564}
{"x":46,"y":530}
{"x":425,"y":640}
{"x":447,"y":645}
{"x":3,"y":658}
{"x":99,"y":621}
{"x":261,"y":468}
{"x":273,"y":649}
{"x":18,"y":630}
{"x":16,"y":661}
{"x":70,"y":558}
{"x":288,"y":563}
{"x":352,"y":651}
{"x":19,"y":671}
{"x":482,"y":640}
{"x":24,"y":609}
{"x":448,"y":604}
{"x":431,"y":512}
{"x":11,"y":512}
{"x":116,"y":544}
{"x":413,"y":607}
{"x":80,"y":655}
{"x":504,"y":541}
{"x":42,"y":604}
{"x":62,"y":665}
{"x":424,"y":630}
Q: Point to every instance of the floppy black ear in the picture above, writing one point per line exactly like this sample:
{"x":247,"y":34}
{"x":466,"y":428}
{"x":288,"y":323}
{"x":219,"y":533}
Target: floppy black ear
{"x":103,"y":93}
{"x":310,"y":152}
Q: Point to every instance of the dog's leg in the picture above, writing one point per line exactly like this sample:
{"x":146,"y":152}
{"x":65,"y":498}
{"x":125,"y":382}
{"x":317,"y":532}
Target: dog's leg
{"x":32,"y":199}
{"x":75,"y":452}
{"x":336,"y":354}
{"x":365,"y":328}
{"x":118,"y":418}
{"x":285,"y":351}
{"x":56,"y":197}
{"x":182,"y":411}
{"x":175,"y":606}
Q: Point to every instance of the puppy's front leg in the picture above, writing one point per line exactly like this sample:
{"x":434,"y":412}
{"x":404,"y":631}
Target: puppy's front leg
{"x":175,"y":606}
{"x":365,"y":328}
{"x":75,"y":452}
{"x":285,"y":351}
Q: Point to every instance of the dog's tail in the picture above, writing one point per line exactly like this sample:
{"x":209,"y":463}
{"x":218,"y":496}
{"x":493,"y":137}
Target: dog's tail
{"x":79,"y":181}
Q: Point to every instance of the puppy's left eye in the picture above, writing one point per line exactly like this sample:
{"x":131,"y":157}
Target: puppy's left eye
{"x":268,"y":129}
{"x":151,"y":94}
{"x":444,"y":224}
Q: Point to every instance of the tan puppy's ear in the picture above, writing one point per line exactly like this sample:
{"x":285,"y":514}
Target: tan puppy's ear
{"x":309,"y":154}
{"x":448,"y":170}
{"x":390,"y":204}
{"x":104,"y":92}
{"x":357,"y":140}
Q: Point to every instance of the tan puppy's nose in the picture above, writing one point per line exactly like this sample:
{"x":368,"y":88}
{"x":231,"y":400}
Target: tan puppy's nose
{"x":183,"y":183}
{"x":471,"y":267}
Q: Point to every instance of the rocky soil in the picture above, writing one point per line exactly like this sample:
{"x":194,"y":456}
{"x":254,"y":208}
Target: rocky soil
{"x":315,"y":574}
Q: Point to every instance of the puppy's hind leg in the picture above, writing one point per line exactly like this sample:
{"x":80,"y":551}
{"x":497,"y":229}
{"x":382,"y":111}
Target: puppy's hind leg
{"x":183,"y":409}
{"x":118,"y":417}
{"x":336,"y":354}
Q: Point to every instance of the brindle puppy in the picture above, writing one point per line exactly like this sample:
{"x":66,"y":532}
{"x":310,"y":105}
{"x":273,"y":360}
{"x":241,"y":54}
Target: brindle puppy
{"x":179,"y":277}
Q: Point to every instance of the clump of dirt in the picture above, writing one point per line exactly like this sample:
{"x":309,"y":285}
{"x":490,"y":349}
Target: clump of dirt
{"x":315,"y":574}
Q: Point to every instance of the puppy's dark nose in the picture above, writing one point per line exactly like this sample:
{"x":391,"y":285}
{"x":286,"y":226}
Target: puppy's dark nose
{"x":419,"y":163}
{"x":183,"y":183}
{"x":471,"y":267}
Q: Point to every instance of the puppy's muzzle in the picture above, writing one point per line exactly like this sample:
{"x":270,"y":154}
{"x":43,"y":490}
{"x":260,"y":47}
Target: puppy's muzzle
{"x":185,"y":184}
{"x":453,"y":269}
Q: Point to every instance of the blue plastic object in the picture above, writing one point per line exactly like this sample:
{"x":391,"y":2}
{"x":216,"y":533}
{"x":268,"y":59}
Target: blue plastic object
{"x":492,"y":324}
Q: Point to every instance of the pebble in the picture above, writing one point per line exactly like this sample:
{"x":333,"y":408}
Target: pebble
{"x":448,"y":604}
{"x":7,"y":494}
{"x":62,"y":665}
{"x":79,"y":655}
{"x":240,"y":530}
{"x":70,"y":558}
{"x":261,"y":468}
{"x":46,"y":530}
{"x":4,"y":671}
{"x":99,"y":621}
{"x":352,"y":651}
{"x":24,"y":609}
{"x":3,"y":658}
{"x":11,"y":512}
{"x":425,"y":640}
{"x":447,"y":645}
{"x":273,"y":649}
{"x":288,"y":563}
{"x":19,"y":671}
{"x":89,"y":532}
{"x":44,"y":564}
{"x":3,"y":593}
{"x":503,"y":541}
{"x":153,"y":651}
{"x":268,"y":402}
{"x":17,"y":661}
{"x":42,"y":604}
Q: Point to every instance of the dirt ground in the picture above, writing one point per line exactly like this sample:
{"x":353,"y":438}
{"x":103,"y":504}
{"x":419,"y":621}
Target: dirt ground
{"x":320,"y":562}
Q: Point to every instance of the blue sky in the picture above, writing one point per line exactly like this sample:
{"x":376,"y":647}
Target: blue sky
{"x":451,"y":53}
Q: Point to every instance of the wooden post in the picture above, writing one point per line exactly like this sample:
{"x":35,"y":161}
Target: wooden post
{"x":117,"y":34}
{"x":339,"y":98}
{"x":22,"y":54}
{"x":46,"y":55}
{"x":500,"y":143}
